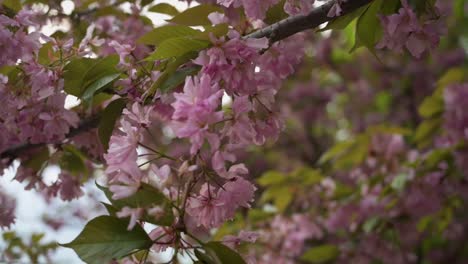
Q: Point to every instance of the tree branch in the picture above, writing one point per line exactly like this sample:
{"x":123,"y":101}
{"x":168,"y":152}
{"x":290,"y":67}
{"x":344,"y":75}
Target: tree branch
{"x":84,"y":126}
{"x":295,"y":24}
{"x":274,"y":32}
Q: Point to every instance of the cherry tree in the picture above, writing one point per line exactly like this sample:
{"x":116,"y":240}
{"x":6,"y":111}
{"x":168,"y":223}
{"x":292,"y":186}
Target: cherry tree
{"x":241,"y":131}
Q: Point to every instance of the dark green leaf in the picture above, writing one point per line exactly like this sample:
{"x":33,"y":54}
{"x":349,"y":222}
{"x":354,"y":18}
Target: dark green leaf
{"x":217,"y":253}
{"x":99,"y":85}
{"x":105,"y":238}
{"x":73,"y":75}
{"x":108,"y":118}
{"x":178,"y":77}
{"x":73,"y":160}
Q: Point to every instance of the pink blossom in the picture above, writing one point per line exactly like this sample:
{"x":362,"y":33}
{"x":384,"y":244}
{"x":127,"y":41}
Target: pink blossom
{"x":123,"y":191}
{"x":244,"y":236}
{"x":122,"y":155}
{"x":134,"y":213}
{"x":207,"y":208}
{"x":163,"y":237}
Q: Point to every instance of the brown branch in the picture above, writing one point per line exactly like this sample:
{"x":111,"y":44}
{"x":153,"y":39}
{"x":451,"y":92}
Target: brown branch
{"x":274,"y":32}
{"x":295,"y":24}
{"x":84,"y":126}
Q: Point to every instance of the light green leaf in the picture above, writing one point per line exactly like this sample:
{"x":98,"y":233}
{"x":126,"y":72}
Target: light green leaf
{"x":160,"y":34}
{"x":426,"y":130}
{"x":342,"y":22}
{"x":271,"y":178}
{"x":321,"y":254}
{"x":105,"y":238}
{"x":196,"y":16}
{"x":175,"y":47}
{"x":108,"y":119}
{"x":164,"y":8}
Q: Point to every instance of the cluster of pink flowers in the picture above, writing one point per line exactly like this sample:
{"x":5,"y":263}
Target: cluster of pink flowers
{"x":406,"y":30}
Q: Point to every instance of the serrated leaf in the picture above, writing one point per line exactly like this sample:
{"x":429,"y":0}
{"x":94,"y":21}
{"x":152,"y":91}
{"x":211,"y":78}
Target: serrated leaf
{"x":160,"y":34}
{"x":106,"y":238}
{"x":175,"y":47}
{"x":321,"y":254}
{"x":164,"y":8}
{"x":196,"y":16}
{"x":108,"y":119}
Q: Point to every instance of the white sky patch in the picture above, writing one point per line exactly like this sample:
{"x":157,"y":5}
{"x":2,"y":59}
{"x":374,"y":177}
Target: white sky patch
{"x":226,"y":100}
{"x":71,"y":101}
{"x":68,"y":6}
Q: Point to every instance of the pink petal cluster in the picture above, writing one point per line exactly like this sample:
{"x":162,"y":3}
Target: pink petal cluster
{"x":405,"y":30}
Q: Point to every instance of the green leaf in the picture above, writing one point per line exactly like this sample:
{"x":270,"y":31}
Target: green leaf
{"x":217,"y":31}
{"x":175,"y":47}
{"x":73,"y":161}
{"x":178,"y":77}
{"x":342,"y":22}
{"x":146,"y":196}
{"x":158,"y":35}
{"x":112,"y":210}
{"x":15,"y":5}
{"x":271,"y":178}
{"x":368,"y":27}
{"x":170,"y":68}
{"x":321,"y":254}
{"x":38,"y":160}
{"x":196,"y":16}
{"x":164,"y":8}
{"x":431,"y":106}
{"x":98,"y":85}
{"x":426,"y":130}
{"x":73,"y":75}
{"x":276,"y":13}
{"x":399,"y":182}
{"x":217,"y":253}
{"x":83,"y":74}
{"x":108,"y":119}
{"x":105,"y":238}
